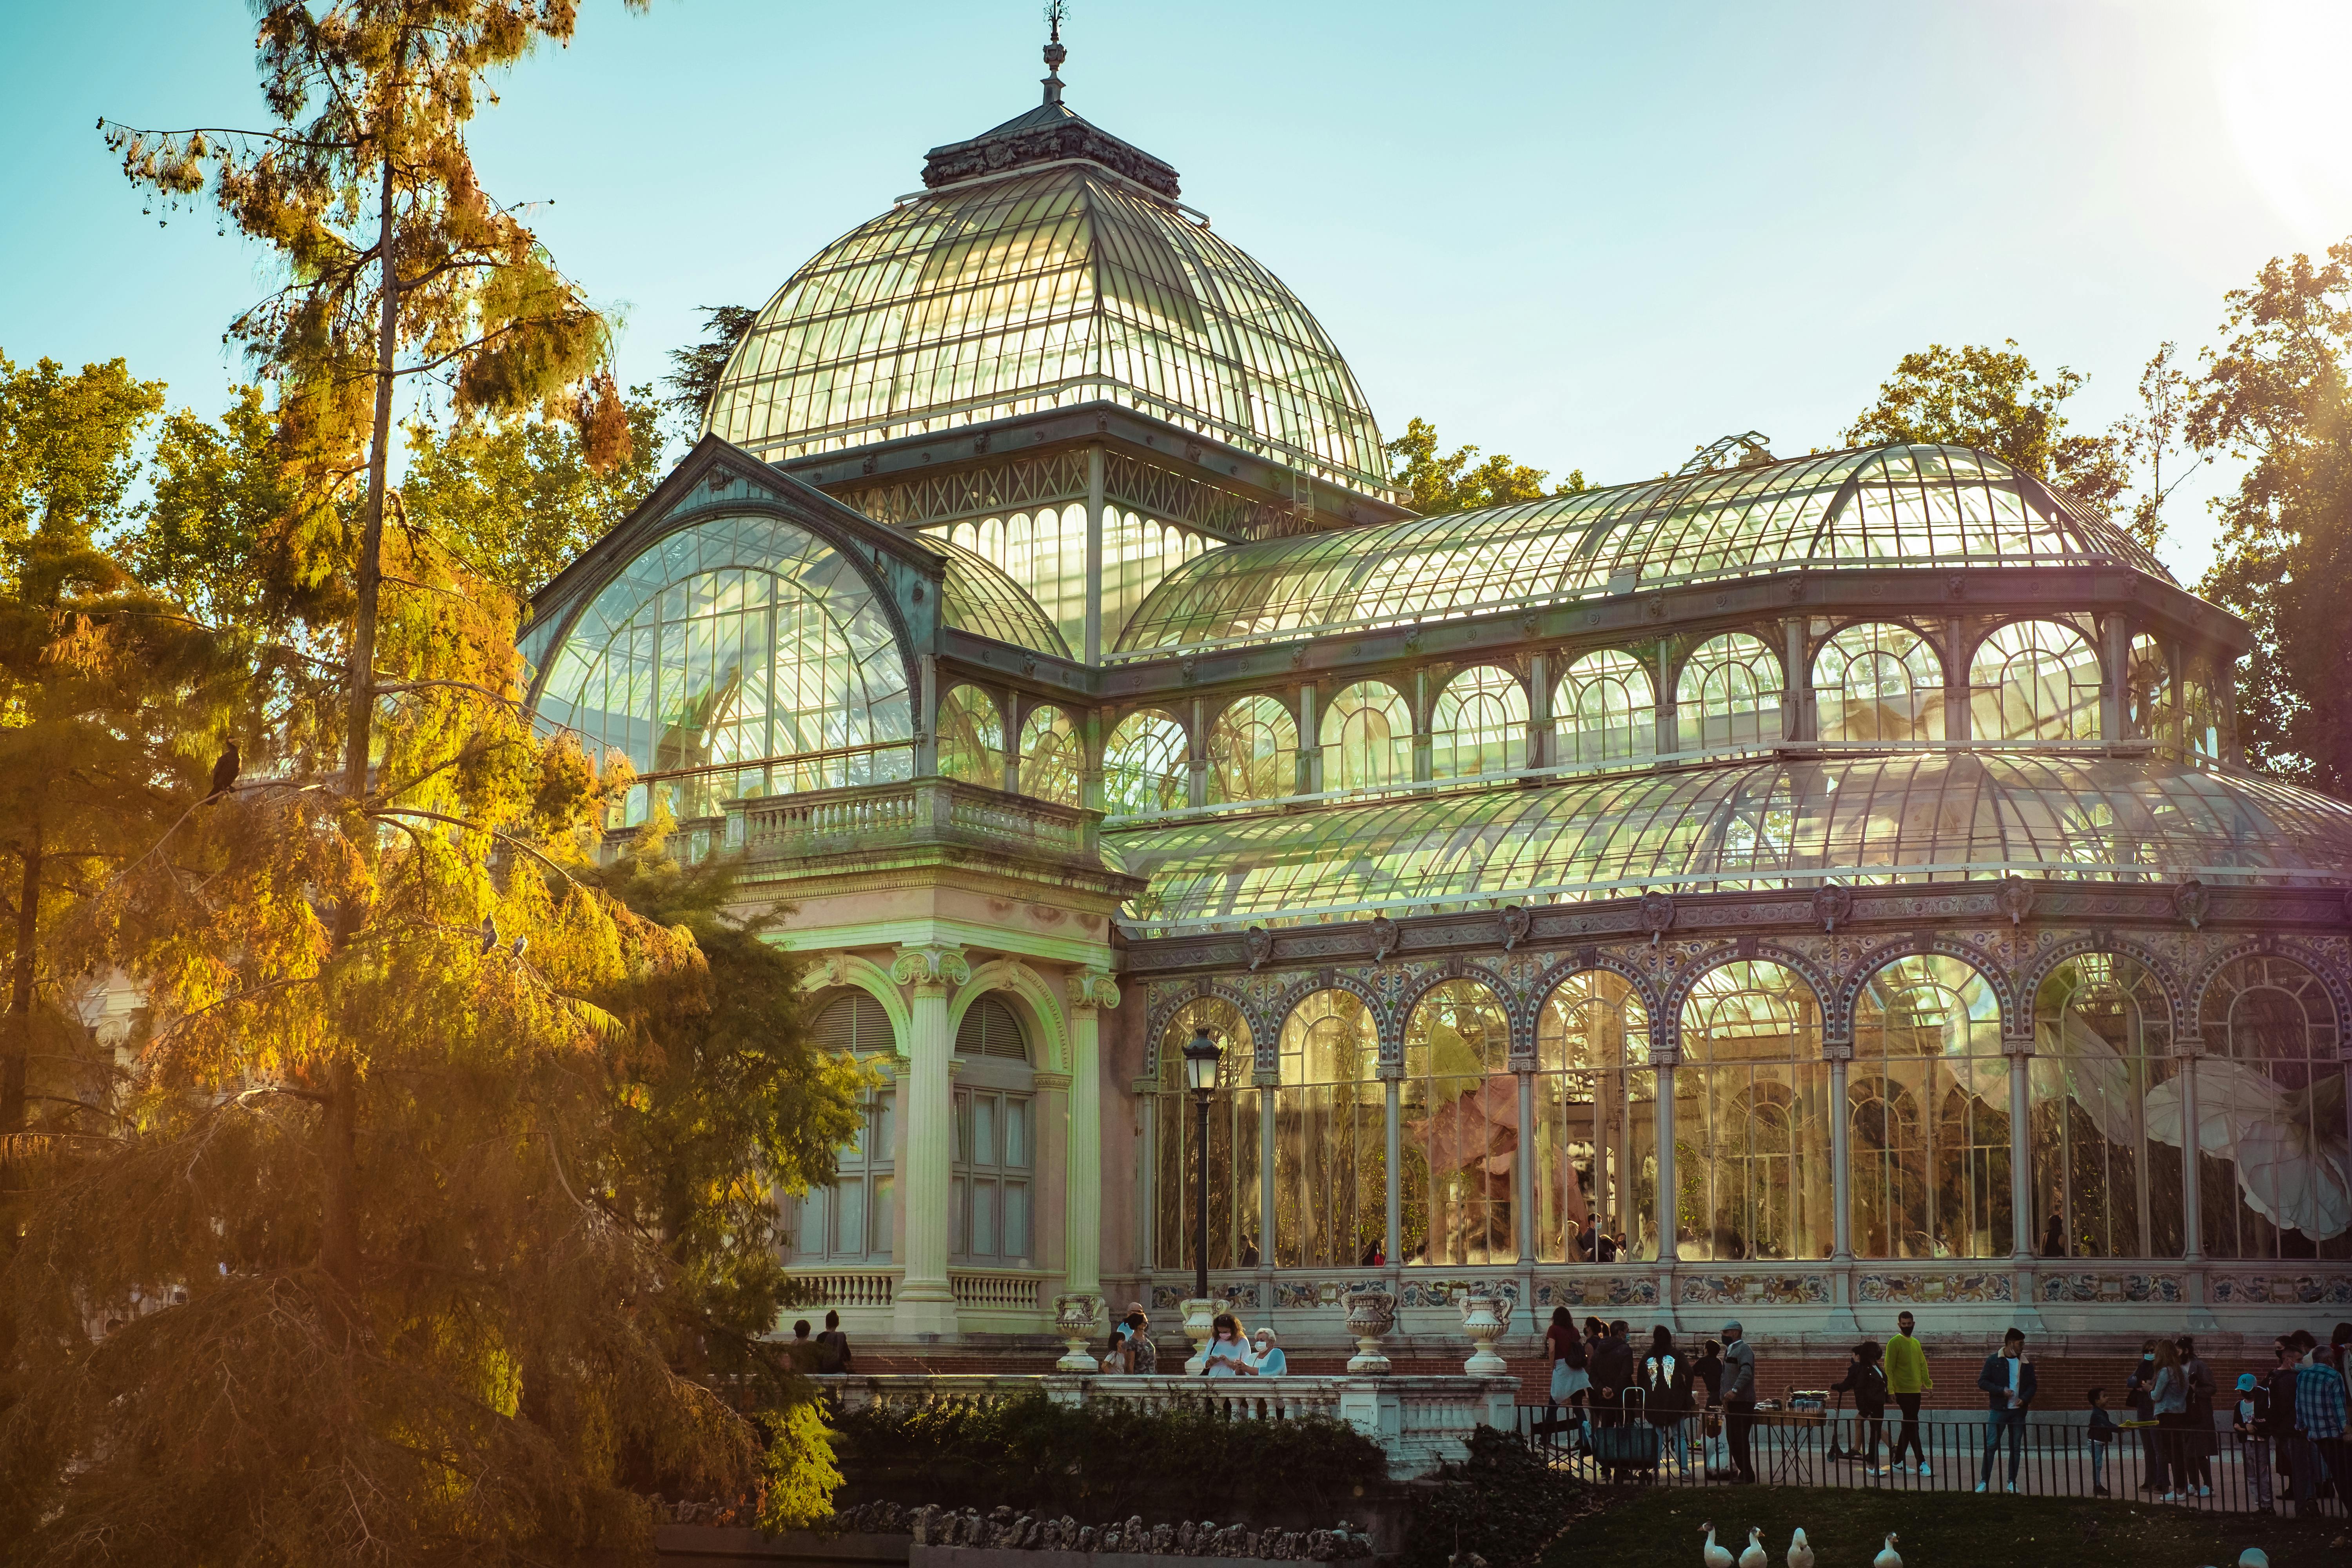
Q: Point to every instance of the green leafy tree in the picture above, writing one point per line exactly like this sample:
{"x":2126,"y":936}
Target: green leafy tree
{"x":2158,"y":432}
{"x":1992,"y":399}
{"x":2274,"y":395}
{"x":1437,"y":483}
{"x":694,"y":377}
{"x":518,"y":498}
{"x":223,"y":492}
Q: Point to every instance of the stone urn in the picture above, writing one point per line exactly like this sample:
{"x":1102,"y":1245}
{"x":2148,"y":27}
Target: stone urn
{"x":1075,"y":1318}
{"x":1371,"y":1315}
{"x":1484,"y":1319}
{"x":1200,"y":1322}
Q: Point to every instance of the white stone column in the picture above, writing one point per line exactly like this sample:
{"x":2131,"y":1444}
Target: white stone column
{"x":2192,"y":1216}
{"x":1523,"y":1185}
{"x":1092,"y":653}
{"x":2021,"y":1149}
{"x":1668,"y":1219}
{"x":925,"y":1304}
{"x":1396,"y":1175}
{"x":1090,"y":991}
{"x":1841,"y":1163}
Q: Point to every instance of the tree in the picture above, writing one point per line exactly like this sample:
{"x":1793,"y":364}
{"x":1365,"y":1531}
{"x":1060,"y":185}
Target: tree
{"x":1437,"y":485}
{"x":223,"y":494}
{"x":2158,"y":431}
{"x":693,"y":381}
{"x":517,"y":499}
{"x":1991,"y":399}
{"x":2278,"y":395}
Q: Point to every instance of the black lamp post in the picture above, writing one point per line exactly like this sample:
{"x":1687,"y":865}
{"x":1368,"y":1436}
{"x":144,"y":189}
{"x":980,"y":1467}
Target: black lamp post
{"x":1200,"y":1058}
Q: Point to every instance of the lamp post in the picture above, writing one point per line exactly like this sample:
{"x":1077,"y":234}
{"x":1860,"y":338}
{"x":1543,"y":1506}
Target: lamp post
{"x":1200,"y":1058}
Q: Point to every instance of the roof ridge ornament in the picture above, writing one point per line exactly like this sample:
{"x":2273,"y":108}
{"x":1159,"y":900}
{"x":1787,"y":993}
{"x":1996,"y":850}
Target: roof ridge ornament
{"x":1057,"y":13}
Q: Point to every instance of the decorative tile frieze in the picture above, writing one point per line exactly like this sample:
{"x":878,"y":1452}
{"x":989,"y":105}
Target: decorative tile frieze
{"x":1752,"y":1289}
{"x":2279,"y":1289}
{"x":2164,"y":1288}
{"x":1614,"y":1290}
{"x":1932,"y":1290}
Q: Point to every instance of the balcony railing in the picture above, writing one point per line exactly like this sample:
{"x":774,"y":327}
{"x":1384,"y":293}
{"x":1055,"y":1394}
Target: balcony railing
{"x":920,"y":811}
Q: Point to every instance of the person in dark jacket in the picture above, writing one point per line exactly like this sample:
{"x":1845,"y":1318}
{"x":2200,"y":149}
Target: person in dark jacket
{"x":1706,"y":1373}
{"x":2250,"y":1422}
{"x":2139,"y":1393}
{"x":1665,"y":1385}
{"x":1865,"y":1379}
{"x":1739,"y":1399}
{"x":1611,"y":1369}
{"x":2007,"y":1384}
{"x":2198,"y":1441}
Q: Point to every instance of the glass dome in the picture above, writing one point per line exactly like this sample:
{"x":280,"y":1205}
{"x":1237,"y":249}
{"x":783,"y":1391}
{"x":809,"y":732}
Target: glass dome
{"x":1039,"y":289}
{"x":1877,"y":506}
{"x":979,"y":598}
{"x":1931,"y":818}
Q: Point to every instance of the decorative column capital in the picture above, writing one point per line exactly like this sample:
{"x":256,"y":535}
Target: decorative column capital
{"x":1091,"y":988}
{"x":931,"y":967}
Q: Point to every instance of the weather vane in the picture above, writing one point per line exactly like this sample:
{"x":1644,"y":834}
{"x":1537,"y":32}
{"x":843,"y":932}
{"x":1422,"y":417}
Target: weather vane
{"x":1057,"y":13}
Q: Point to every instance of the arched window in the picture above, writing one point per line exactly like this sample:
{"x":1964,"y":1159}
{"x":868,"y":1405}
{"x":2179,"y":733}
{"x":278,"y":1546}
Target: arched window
{"x":971,"y":737}
{"x":1752,"y":1169}
{"x":1045,"y":553}
{"x":1053,"y":763}
{"x":849,"y":1221}
{"x":2203,"y":717}
{"x":1605,"y":710}
{"x":1878,"y":681}
{"x":1729,"y":695}
{"x":1138,"y":551}
{"x":2148,"y":687}
{"x":1253,"y":751}
{"x":1460,"y":1111}
{"x":1596,"y":1113}
{"x":1233,"y":1150}
{"x":1367,"y":738}
{"x":1927,"y":1115}
{"x":1330,"y":1140}
{"x":2034,"y":680}
{"x":993,"y":1152}
{"x":991,"y":1029}
{"x":2102,"y":1047}
{"x":742,"y":656}
{"x":1145,"y":766}
{"x":1479,"y":724}
{"x":2275,"y":1177}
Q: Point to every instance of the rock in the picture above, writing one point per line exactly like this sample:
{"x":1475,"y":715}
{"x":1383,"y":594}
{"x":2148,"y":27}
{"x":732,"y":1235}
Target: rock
{"x":1066,"y":1535}
{"x":1086,"y":1538}
{"x":1285,"y":1547}
{"x":1163,"y":1540}
{"x":1137,"y":1534}
{"x":1109,"y":1539}
{"x":919,"y":1524}
{"x":1184,"y":1534}
{"x":1262,"y":1544}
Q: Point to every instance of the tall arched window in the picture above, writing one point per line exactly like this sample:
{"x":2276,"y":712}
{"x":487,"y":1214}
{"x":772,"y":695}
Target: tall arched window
{"x":1479,"y":725}
{"x":2034,"y":680}
{"x":971,"y":738}
{"x":1053,"y":763}
{"x":849,"y":1221}
{"x":1233,"y":1150}
{"x":1367,"y":738}
{"x":1878,"y":681}
{"x":1253,"y":751}
{"x":2275,"y":1177}
{"x":1606,"y":709}
{"x":1460,"y":1109}
{"x":1752,"y":1172}
{"x":993,"y":1147}
{"x":1045,"y":553}
{"x":1729,"y":695}
{"x":1330,"y":1142}
{"x":2148,"y":687}
{"x":1927,"y":1110}
{"x":1145,"y":766}
{"x":2102,"y":1047}
{"x":1596,"y":1134}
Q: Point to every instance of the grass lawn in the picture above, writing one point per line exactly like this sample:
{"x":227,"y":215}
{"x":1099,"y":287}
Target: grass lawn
{"x":1659,"y":1529}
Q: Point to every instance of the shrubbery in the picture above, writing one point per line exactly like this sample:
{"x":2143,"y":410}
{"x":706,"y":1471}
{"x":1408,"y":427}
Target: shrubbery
{"x":1505,"y":1502}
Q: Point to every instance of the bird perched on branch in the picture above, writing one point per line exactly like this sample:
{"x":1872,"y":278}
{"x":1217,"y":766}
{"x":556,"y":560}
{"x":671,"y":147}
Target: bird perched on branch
{"x":1713,"y":1556}
{"x":225,"y":773}
{"x":1754,"y":1557}
{"x":1887,"y":1557}
{"x":1800,"y":1551}
{"x":489,"y":933}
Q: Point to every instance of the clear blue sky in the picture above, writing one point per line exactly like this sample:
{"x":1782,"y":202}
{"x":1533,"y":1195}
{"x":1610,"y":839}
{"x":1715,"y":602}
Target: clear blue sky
{"x":1592,"y":235}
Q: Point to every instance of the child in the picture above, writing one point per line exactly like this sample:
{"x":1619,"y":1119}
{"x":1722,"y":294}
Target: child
{"x":2251,"y":1422}
{"x":2102,"y":1433}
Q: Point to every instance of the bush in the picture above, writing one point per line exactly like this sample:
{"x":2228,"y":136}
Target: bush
{"x":1102,"y":1460}
{"x":1505,"y":1502}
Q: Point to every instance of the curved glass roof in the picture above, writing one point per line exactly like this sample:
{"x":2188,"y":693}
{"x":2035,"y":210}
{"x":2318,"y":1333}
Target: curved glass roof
{"x":979,"y":598}
{"x":1892,"y":505}
{"x":1002,"y":296}
{"x":1937,"y":817}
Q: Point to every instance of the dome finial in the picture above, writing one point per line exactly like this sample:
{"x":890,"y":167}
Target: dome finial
{"x":1055,"y":13}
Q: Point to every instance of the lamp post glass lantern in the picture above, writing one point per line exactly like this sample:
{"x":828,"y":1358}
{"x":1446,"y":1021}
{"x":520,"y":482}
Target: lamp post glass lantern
{"x":1201,"y":1055}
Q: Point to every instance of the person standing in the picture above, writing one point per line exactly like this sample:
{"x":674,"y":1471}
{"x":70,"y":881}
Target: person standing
{"x":2007,"y":1384}
{"x":2197,"y":1437}
{"x":1865,"y":1379}
{"x":2250,"y":1420}
{"x":1228,"y":1353}
{"x":2101,"y":1434}
{"x":832,"y":1346}
{"x":2136,"y":1392}
{"x":1565,"y":1350}
{"x":1612,"y":1375}
{"x":2169,"y":1397}
{"x":1907,"y":1379}
{"x":2319,"y":1421}
{"x":1707,"y":1371}
{"x":2280,"y":1386}
{"x":1739,"y":1399}
{"x":1142,"y":1356}
{"x":1271,"y":1361}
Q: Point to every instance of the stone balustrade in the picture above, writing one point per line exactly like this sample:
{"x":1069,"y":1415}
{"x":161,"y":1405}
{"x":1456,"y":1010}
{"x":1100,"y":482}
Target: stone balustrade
{"x":916,"y":811}
{"x":1420,"y":1422}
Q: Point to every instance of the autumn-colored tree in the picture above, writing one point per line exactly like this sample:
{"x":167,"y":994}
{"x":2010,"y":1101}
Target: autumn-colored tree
{"x":1435,"y":484}
{"x":1992,"y":399}
{"x":2277,"y":395}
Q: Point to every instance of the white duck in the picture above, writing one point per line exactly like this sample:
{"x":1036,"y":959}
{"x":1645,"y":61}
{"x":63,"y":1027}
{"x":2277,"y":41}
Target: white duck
{"x":1800,"y":1551}
{"x":1713,"y":1556}
{"x":1887,"y":1557}
{"x":1754,"y":1557}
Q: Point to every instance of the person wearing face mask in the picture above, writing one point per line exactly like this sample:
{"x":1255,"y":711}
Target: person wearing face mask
{"x":2139,"y":1393}
{"x":1228,"y":1354}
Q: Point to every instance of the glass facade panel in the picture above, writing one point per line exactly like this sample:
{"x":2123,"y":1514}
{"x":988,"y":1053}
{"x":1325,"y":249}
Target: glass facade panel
{"x":2147,"y":682}
{"x":1927,"y":1115}
{"x":1604,"y":711}
{"x":1330,"y":1138}
{"x":1479,"y":724}
{"x":1053,"y":761}
{"x":2102,"y":1047}
{"x":1728,"y":696}
{"x":1147,"y":767}
{"x":988,"y":1179}
{"x":850,"y":1221}
{"x":1043,"y":552}
{"x":1233,"y":1146}
{"x":1878,"y":681}
{"x":2274,"y":1176}
{"x":1596,"y":1122}
{"x":978,"y":597}
{"x":1460,"y":1122}
{"x":2034,"y":680}
{"x":1253,"y":751}
{"x":1752,"y":1141}
{"x":971,"y":738}
{"x":1367,"y":738}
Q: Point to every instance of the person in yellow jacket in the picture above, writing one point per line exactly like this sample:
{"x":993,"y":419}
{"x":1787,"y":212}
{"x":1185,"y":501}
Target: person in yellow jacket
{"x":1907,"y":1379}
